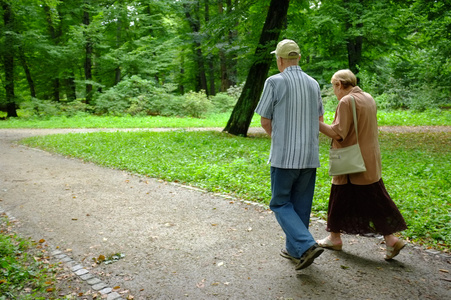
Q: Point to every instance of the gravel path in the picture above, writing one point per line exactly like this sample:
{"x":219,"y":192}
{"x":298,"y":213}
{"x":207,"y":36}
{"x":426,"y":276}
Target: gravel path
{"x":183,"y":243}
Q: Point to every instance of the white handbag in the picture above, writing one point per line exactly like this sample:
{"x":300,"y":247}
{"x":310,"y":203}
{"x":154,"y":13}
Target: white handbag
{"x":347,"y":160}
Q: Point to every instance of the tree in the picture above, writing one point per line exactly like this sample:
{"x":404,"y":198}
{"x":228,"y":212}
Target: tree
{"x":192,"y":15}
{"x":243,"y":111}
{"x":8,"y":58}
{"x":88,"y":52}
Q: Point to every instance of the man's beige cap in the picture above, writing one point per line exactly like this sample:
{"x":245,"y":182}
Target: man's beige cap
{"x":287,"y":47}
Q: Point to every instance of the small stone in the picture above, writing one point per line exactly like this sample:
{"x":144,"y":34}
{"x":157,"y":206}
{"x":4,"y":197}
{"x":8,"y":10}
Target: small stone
{"x":86,"y":276}
{"x":93,"y":281}
{"x":105,"y":291}
{"x":76,"y":268}
{"x":113,"y":296}
{"x":81,"y":272}
{"x":99,"y":286}
{"x":66,"y":259}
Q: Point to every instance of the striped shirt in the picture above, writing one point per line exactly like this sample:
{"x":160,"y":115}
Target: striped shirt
{"x":292,"y":101}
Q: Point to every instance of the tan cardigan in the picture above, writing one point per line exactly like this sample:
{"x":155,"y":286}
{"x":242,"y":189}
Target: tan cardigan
{"x":343,"y":125}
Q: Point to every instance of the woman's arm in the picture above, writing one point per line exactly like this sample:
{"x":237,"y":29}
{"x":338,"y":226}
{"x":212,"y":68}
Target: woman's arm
{"x":327,"y":130}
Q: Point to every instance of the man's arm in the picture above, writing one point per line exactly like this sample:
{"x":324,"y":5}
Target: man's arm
{"x":327,"y":130}
{"x":266,"y":124}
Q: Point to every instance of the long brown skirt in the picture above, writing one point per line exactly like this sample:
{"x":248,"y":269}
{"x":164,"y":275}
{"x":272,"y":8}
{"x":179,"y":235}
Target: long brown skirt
{"x":363,"y":209}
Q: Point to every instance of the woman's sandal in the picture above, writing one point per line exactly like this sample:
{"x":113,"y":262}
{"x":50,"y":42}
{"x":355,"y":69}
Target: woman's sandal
{"x":393,"y":251}
{"x":327,"y":244}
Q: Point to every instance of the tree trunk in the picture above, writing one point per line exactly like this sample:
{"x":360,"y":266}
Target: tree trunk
{"x":88,"y":57}
{"x":222,"y":57}
{"x":354,"y":46}
{"x":243,"y":111}
{"x":8,"y":60}
{"x":211,"y":69}
{"x":232,"y":58}
{"x":71,"y":87}
{"x":53,"y":35}
{"x":23,"y":61}
{"x":201,"y":78}
{"x":354,"y":42}
{"x":117,"y":71}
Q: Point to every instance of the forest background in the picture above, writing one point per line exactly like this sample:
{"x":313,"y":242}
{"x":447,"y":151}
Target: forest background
{"x":186,"y":58}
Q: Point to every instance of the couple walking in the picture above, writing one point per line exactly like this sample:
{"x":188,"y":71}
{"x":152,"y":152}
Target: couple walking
{"x":291,"y":113}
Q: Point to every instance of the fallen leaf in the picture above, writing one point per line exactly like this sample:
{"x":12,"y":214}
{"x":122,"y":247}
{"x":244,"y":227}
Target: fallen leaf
{"x":444,"y":271}
{"x":201,"y":284}
{"x":41,"y":241}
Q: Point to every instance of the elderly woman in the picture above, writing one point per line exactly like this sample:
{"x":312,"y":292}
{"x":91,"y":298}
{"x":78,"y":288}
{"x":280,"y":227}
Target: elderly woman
{"x":359,"y":203}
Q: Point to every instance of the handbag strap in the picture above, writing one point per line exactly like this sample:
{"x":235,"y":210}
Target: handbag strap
{"x":354,"y":115}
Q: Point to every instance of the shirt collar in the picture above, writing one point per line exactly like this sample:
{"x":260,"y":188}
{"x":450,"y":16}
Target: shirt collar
{"x":292,"y":68}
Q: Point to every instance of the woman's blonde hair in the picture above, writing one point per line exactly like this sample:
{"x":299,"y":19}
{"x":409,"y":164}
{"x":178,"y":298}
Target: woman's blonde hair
{"x":345,"y":77}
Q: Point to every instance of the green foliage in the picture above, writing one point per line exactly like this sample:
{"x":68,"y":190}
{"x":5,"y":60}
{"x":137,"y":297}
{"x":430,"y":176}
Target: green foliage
{"x":46,"y":108}
{"x":404,"y":62}
{"x":222,"y":102}
{"x":196,"y":104}
{"x":330,"y":101}
{"x":416,"y":168}
{"x":385,"y":118}
{"x":137,"y":96}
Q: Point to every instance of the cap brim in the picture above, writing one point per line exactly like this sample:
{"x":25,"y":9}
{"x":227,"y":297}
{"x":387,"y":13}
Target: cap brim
{"x":272,"y":52}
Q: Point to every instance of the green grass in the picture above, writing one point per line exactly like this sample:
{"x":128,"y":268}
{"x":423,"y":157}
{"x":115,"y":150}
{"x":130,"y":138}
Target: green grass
{"x":416,"y":168}
{"x":24,"y":270}
{"x":385,"y":118}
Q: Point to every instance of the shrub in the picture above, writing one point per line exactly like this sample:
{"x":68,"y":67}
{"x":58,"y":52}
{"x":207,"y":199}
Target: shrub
{"x":235,"y":90}
{"x":129,"y":95}
{"x":137,"y":96}
{"x":222,"y":102}
{"x":196,"y":104}
{"x":42,"y":108}
{"x":330,"y":101}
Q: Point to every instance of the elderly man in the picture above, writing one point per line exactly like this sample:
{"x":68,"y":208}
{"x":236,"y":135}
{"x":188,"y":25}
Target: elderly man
{"x":291,"y":108}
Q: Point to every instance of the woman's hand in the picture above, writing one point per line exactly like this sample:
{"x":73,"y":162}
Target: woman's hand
{"x":327,"y":130}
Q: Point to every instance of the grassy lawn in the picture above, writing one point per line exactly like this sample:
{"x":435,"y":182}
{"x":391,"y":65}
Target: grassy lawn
{"x":385,"y":118}
{"x":416,"y":166}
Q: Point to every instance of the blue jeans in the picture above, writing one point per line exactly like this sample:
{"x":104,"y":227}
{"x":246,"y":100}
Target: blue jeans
{"x":292,"y":196}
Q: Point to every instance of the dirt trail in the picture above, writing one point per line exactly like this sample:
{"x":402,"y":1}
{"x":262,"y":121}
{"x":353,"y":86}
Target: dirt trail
{"x":183,"y":243}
